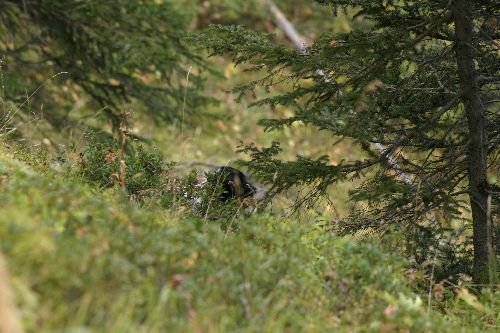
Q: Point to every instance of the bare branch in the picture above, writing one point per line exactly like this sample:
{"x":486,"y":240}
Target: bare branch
{"x":286,"y":26}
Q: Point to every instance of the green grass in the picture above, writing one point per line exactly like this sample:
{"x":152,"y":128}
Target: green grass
{"x":84,"y":260}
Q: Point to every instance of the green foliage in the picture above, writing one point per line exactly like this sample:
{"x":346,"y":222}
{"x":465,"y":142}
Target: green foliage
{"x":392,"y":87}
{"x":116,"y":52}
{"x":147,"y":173}
{"x":103,"y":264}
{"x":150,"y":179}
{"x":160,"y":254}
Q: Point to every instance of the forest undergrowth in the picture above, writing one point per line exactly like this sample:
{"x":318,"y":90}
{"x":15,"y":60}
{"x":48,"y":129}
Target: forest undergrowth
{"x":105,"y":226}
{"x":88,"y":256}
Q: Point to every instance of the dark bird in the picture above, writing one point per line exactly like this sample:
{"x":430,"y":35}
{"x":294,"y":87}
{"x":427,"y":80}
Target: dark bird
{"x":234,"y":184}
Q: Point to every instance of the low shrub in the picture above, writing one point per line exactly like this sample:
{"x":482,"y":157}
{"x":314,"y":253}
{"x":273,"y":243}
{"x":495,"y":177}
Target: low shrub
{"x":85,"y":260}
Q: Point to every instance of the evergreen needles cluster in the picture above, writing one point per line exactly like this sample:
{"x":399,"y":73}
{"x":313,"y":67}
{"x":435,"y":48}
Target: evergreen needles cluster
{"x":115,"y":51}
{"x":416,"y":89}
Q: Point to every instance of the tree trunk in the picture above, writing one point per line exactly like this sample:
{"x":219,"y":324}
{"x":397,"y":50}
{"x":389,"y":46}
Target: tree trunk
{"x":484,"y":255}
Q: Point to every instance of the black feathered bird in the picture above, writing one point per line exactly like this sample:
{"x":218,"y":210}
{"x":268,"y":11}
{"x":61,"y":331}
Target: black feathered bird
{"x":234,"y":184}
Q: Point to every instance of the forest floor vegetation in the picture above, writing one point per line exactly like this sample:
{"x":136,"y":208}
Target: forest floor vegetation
{"x":84,"y":258}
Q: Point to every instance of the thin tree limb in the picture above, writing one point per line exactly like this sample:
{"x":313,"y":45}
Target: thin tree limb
{"x":286,"y":26}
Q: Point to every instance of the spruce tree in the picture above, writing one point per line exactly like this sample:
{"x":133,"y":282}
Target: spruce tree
{"x":115,"y":51}
{"x":421,"y":80}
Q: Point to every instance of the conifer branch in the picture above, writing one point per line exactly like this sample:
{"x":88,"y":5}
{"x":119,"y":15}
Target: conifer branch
{"x":299,"y":43}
